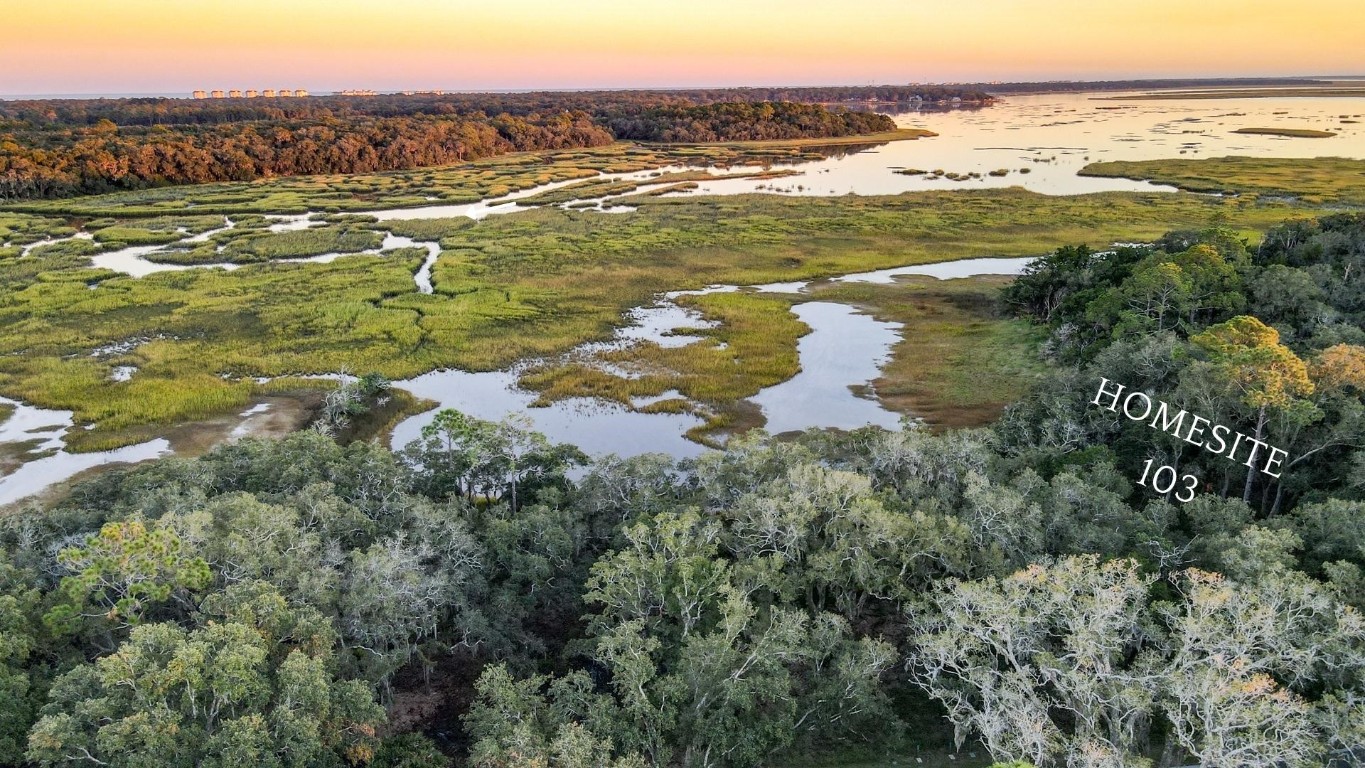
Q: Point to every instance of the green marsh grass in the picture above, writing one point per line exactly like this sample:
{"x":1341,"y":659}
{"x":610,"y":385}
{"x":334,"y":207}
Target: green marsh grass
{"x":1319,"y":181}
{"x":529,"y":285}
{"x":1292,"y":133}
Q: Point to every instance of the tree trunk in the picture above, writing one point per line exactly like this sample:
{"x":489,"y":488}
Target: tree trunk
{"x":1251,"y":470}
{"x":1279,"y":496}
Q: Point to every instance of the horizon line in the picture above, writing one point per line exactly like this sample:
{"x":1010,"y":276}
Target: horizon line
{"x":426,"y":90}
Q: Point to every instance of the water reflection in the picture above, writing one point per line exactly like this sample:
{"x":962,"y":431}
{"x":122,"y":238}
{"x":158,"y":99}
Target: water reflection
{"x":844,"y":350}
{"x":1053,"y":136}
{"x":843,"y":354}
{"x":596,"y":426}
{"x":37,"y":437}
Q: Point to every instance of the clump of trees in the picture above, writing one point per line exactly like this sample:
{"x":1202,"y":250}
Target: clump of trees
{"x":486,"y":598}
{"x":745,"y":121}
{"x":1268,"y":340}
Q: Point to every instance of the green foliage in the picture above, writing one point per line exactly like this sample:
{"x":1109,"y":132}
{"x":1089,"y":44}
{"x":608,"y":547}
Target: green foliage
{"x":122,"y":572}
{"x":409,"y":750}
{"x":19,"y":643}
{"x":469,"y":457}
{"x":760,"y":605}
{"x":224,"y":693}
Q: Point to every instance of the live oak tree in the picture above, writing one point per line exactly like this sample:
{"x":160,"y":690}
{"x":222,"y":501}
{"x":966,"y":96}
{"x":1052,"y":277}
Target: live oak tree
{"x":473,"y":457}
{"x":1073,"y":661}
{"x":1242,"y":660}
{"x":256,"y":685}
{"x":1006,"y":656}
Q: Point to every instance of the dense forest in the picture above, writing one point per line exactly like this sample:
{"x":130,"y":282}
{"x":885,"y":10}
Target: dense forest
{"x":60,"y":148}
{"x":74,"y":113}
{"x":744,"y":121}
{"x":486,"y":598}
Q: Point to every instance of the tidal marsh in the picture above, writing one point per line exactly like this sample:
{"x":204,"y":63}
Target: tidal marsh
{"x":508,"y":288}
{"x":1321,"y":181}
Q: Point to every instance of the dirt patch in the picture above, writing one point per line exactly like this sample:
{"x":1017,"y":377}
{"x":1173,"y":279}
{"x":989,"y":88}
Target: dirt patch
{"x":274,"y":416}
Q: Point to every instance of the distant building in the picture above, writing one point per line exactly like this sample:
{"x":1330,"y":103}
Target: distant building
{"x":217,"y":94}
{"x":285,"y":92}
{"x":235,"y":93}
{"x":200,"y":95}
{"x":358,"y":92}
{"x":269,"y":93}
{"x":299,"y":92}
{"x":252,"y":93}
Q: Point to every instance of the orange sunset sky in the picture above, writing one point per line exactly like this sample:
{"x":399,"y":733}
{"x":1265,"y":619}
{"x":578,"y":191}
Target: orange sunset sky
{"x":171,"y":46}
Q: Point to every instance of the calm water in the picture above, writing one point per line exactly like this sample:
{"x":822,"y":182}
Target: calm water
{"x":1055,"y":135}
{"x":839,"y":358}
{"x":40,"y":435}
{"x":1051,"y":135}
{"x":845,"y":349}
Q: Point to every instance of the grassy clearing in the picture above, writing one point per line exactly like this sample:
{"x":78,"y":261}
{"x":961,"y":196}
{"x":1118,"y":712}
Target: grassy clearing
{"x":245,"y":246}
{"x":1319,"y":181}
{"x":1293,"y":133}
{"x":533,"y":284}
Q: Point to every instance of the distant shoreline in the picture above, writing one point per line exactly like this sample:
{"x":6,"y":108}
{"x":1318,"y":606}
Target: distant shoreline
{"x":1169,"y":87}
{"x":1264,"y":92}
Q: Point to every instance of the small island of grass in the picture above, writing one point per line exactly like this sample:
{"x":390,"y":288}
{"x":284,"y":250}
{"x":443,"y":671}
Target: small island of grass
{"x":1295,"y":133}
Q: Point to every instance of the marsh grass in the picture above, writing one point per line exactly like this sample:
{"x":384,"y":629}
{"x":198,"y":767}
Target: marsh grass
{"x":135,"y":236}
{"x":530,"y":285}
{"x":19,"y":229}
{"x":753,"y":346}
{"x":594,"y":188}
{"x":241,"y":246}
{"x":1293,"y":133}
{"x":1319,"y":181}
{"x":960,"y":361}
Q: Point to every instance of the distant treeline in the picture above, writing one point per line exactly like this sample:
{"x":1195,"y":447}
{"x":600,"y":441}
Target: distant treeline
{"x":744,"y":121}
{"x":74,"y":113}
{"x":1069,"y":86}
{"x":60,"y":148}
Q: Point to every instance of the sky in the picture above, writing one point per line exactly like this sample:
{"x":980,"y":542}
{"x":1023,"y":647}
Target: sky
{"x":173,"y":46}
